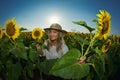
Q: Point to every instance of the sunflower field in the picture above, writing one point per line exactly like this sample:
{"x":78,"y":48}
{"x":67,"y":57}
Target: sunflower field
{"x":91,"y":56}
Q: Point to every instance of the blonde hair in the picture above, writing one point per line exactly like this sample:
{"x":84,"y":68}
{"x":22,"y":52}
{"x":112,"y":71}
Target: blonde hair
{"x":60,"y":41}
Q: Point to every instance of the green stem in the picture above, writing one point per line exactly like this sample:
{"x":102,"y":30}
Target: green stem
{"x":90,"y":36}
{"x":90,"y":45}
{"x":82,"y":48}
{"x":37,"y":40}
{"x":12,"y":41}
{"x":41,"y":77}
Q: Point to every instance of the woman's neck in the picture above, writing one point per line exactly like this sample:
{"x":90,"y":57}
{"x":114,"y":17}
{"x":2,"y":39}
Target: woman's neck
{"x":54,"y":42}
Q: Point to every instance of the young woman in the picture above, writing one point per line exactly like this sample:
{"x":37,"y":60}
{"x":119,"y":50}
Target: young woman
{"x":55,"y":43}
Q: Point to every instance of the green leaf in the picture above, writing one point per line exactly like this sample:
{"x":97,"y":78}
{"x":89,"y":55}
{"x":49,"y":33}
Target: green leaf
{"x":84,"y":24}
{"x":46,"y":66}
{"x":68,"y":67}
{"x":20,"y":51}
{"x":72,"y":53}
{"x":1,"y":66}
{"x":5,"y":51}
{"x":96,"y":21}
{"x":30,"y":69}
{"x":33,"y":55}
{"x":99,"y":63}
{"x":101,"y":57}
{"x":81,"y":40}
{"x":23,"y":29}
{"x":14,"y":71}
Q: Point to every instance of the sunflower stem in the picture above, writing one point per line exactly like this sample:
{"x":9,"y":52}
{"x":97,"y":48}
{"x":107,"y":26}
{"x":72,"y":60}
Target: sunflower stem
{"x":90,"y":35}
{"x":82,"y":48}
{"x":90,"y":45}
{"x":11,"y":40}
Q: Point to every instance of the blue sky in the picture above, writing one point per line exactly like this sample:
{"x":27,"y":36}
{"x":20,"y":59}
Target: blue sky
{"x":37,"y":13}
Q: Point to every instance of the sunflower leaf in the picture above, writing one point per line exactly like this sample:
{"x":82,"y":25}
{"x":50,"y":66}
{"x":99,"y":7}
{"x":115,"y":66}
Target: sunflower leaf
{"x":81,"y":40}
{"x":20,"y":51}
{"x":33,"y":55}
{"x":84,"y":24}
{"x":68,"y":67}
{"x":46,"y":65}
{"x":14,"y":71}
{"x":23,"y":29}
{"x":99,"y":61}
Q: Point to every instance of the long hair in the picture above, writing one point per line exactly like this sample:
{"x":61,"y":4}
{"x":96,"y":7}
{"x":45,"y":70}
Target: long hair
{"x":60,"y":41}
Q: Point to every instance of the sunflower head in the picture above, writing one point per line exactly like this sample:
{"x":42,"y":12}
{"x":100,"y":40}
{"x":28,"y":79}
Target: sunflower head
{"x":37,"y":33}
{"x":104,"y":22}
{"x":113,"y":37}
{"x":106,"y":46}
{"x":12,"y":29}
{"x":1,"y":33}
{"x":118,"y":40}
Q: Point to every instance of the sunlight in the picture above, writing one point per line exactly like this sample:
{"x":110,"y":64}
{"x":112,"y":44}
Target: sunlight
{"x":54,"y":19}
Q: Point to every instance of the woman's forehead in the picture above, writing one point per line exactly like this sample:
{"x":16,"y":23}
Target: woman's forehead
{"x":53,"y":30}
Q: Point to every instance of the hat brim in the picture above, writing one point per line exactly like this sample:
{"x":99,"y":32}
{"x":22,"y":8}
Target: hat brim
{"x":47,"y":29}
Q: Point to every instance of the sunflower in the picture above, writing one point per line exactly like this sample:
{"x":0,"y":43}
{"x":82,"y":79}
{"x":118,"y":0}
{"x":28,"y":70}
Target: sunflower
{"x":1,"y":33}
{"x":27,"y":34}
{"x":12,"y":29}
{"x":106,"y":46}
{"x":113,"y":37}
{"x":37,"y":33}
{"x":104,"y":21}
{"x":118,"y":40}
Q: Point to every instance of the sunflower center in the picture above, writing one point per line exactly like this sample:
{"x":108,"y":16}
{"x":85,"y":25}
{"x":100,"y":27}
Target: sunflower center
{"x":10,"y":30}
{"x":106,"y":47}
{"x":119,"y":39}
{"x":109,"y":43}
{"x":0,"y":32}
{"x":105,"y":27}
{"x":36,"y":33}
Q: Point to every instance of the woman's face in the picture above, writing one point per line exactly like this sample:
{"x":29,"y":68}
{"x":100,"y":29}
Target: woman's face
{"x":53,"y":34}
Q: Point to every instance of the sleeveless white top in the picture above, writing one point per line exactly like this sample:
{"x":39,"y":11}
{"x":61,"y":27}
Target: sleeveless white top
{"x":52,"y":53}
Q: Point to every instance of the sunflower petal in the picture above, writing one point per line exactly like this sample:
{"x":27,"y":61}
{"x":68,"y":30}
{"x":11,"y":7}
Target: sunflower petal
{"x":104,"y":20}
{"x":12,"y":29}
{"x":37,"y":33}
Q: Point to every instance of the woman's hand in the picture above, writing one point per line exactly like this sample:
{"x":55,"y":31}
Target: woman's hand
{"x":82,"y":59}
{"x":38,"y":47}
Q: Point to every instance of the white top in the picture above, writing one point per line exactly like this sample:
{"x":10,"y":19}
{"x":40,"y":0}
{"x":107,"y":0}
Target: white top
{"x":53,"y":54}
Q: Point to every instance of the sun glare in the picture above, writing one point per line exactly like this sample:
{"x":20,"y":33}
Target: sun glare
{"x":54,"y":19}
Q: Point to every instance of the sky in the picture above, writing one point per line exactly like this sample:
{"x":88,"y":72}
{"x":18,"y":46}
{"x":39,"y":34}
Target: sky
{"x":38,"y":13}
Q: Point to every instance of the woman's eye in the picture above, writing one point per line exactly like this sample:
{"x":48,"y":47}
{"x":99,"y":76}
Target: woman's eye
{"x":49,"y":31}
{"x":55,"y":32}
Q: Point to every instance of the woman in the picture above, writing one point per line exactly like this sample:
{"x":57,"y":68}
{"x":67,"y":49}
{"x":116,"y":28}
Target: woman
{"x":55,"y":43}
